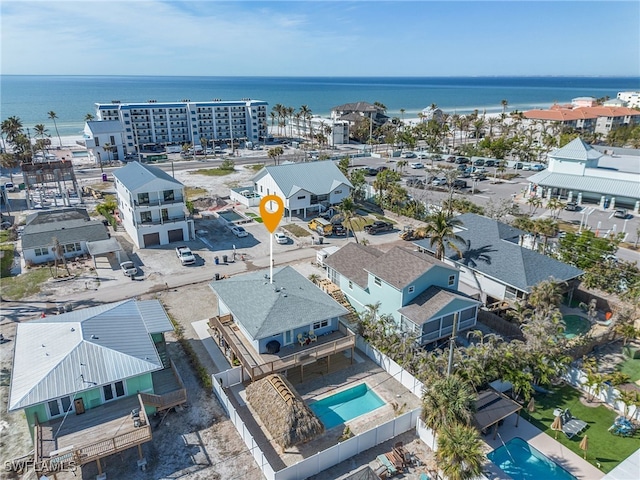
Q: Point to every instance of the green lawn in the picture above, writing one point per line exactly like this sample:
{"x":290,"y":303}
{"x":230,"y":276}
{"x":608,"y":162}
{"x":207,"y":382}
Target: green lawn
{"x":631,"y":367}
{"x":212,"y":172}
{"x":6,"y":259}
{"x":255,"y":217}
{"x":25,"y":285}
{"x":296,"y":230}
{"x":604,"y":447}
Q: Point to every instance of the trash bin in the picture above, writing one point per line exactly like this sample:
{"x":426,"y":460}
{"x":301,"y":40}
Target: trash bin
{"x":217,"y":260}
{"x":217,"y":276}
{"x":104,"y":177}
{"x":224,"y":259}
{"x":320,"y":240}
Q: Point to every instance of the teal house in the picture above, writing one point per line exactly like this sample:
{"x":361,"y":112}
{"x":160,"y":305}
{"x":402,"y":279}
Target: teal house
{"x":419,"y":291}
{"x":69,"y":364}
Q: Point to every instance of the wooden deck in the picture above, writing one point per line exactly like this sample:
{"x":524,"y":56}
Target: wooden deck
{"x":224,"y":331}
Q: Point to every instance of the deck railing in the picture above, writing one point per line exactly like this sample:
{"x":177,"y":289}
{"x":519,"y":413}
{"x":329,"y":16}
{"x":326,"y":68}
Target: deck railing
{"x":167,"y":400}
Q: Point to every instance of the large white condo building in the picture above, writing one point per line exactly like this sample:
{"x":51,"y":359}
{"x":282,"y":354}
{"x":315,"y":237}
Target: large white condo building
{"x":187,"y":122}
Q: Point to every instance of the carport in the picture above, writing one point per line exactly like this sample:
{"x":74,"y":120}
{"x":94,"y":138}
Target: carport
{"x":493,"y":407}
{"x":103,"y":248}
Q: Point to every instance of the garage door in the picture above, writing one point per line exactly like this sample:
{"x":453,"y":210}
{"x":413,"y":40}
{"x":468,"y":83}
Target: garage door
{"x":176,"y":235}
{"x":151,"y":239}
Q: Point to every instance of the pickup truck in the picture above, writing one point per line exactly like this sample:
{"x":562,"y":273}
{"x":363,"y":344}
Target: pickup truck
{"x":378,"y":226}
{"x":185,"y":255}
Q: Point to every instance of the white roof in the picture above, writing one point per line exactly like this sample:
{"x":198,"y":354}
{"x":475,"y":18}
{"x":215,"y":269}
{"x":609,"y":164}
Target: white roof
{"x":588,"y":183}
{"x":137,"y":176}
{"x":80,"y":350}
{"x":576,"y":149}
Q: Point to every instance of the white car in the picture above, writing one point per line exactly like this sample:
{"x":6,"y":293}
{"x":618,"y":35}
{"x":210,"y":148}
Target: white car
{"x":416,"y":165}
{"x":438,"y":182}
{"x":408,"y":155}
{"x":239,"y":231}
{"x":281,"y":238}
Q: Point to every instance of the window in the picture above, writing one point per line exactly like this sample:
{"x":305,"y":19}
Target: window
{"x":350,"y":285}
{"x":165,"y":214}
{"x":143,"y":198}
{"x":169,"y":195}
{"x":113,"y":140}
{"x":338,"y":192}
{"x":452,"y":280}
{"x":319,"y":325}
{"x":41,"y":251}
{"x":113,"y":390}
{"x":377,"y":281}
{"x":145,"y":217}
{"x":71,"y":247}
{"x":412,"y":289}
{"x":302,"y":197}
{"x":59,"y":406}
{"x":97,"y":141}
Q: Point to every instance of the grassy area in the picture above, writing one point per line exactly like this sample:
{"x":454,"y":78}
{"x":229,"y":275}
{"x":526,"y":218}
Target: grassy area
{"x":359,"y":223}
{"x":604,"y":447}
{"x":212,"y":172}
{"x":255,"y":217}
{"x":194,"y":192}
{"x":257,"y":167}
{"x":297,"y":230}
{"x":630,"y":367}
{"x":5,"y":236}
{"x":6,"y":261}
{"x":25,"y":285}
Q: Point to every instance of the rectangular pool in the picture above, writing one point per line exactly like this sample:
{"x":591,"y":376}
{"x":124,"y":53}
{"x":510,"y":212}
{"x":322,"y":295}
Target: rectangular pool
{"x":521,"y":461}
{"x":341,"y":407}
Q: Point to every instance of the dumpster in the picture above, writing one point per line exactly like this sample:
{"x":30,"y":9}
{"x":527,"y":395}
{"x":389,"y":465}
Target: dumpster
{"x":217,"y":276}
{"x":104,"y":177}
{"x":217,"y":260}
{"x":224,"y":259}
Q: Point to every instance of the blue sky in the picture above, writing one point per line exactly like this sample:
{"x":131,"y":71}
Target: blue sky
{"x":313,"y":38}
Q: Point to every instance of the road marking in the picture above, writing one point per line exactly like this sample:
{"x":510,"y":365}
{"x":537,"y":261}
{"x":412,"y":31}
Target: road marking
{"x":480,"y":196}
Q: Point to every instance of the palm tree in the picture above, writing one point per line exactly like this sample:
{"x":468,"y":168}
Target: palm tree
{"x":305,"y":112}
{"x":348,"y":210}
{"x":534,"y":203}
{"x":89,"y":117}
{"x":440,"y":230}
{"x":546,"y":294}
{"x":460,"y":452}
{"x":11,"y":128}
{"x":447,"y":401}
{"x":41,"y":131}
{"x":107,"y":147}
{"x":58,"y":252}
{"x":52,"y":115}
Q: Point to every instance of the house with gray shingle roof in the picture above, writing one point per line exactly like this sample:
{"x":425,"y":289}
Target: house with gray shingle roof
{"x":494,"y":263}
{"x":151,"y":205}
{"x":72,"y":228}
{"x":266,"y":311}
{"x":304,"y":186}
{"x":419,"y":291}
{"x":80,"y":360}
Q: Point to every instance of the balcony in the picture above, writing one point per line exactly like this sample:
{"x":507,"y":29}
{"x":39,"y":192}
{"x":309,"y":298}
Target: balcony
{"x":228,"y":336}
{"x":180,"y":218}
{"x":158,"y":202}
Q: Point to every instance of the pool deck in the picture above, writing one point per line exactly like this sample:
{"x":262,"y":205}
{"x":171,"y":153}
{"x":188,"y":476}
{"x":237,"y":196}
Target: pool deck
{"x":571,"y":462}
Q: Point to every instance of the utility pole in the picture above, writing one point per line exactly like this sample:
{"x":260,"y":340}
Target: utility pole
{"x":452,"y":342}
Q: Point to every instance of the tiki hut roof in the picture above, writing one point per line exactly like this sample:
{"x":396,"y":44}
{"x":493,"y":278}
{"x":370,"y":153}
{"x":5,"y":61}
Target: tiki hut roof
{"x":282,"y":411}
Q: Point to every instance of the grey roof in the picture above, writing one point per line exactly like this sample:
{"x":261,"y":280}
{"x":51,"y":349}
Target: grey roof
{"x":430,"y":302}
{"x":319,"y":178}
{"x":135,"y":175}
{"x":400,"y":267}
{"x":79,"y":350}
{"x":100,"y":247}
{"x":265,"y":309}
{"x":350,"y":262}
{"x":52,"y":216}
{"x":488,"y":250}
{"x":67,"y":231}
{"x":576,"y":149}
{"x":589,"y":183}
{"x":356,"y":107}
{"x":98,"y":127}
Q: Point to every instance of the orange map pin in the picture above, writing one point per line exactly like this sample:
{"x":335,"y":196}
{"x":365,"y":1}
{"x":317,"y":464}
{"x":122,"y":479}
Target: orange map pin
{"x":271,"y":211}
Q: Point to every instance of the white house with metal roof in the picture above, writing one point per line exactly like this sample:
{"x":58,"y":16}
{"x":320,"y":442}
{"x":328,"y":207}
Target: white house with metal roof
{"x":494,"y":263}
{"x":151,"y":205}
{"x":419,"y":291}
{"x":71,"y":227}
{"x":108,"y":133}
{"x":581,"y":173}
{"x":82,"y":359}
{"x":304,"y":187}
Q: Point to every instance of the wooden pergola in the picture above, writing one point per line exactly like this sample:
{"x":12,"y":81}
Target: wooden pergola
{"x":493,"y":407}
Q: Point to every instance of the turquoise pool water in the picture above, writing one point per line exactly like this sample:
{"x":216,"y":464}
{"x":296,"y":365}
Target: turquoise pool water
{"x":521,"y":461}
{"x":79,"y":153}
{"x":575,"y":325}
{"x":346,"y":405}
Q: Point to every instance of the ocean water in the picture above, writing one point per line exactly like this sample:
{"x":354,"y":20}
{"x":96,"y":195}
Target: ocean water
{"x":72,"y":97}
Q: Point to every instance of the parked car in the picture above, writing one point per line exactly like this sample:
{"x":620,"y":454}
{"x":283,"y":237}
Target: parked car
{"x":371,"y":171}
{"x":461,"y":168}
{"x":408,"y":155}
{"x":621,"y":213}
{"x":416,"y":165}
{"x":281,"y":238}
{"x":439,"y":182}
{"x":339,"y":231}
{"x":238,"y":231}
{"x":382,"y":168}
{"x":537,"y":167}
{"x":9,"y":187}
{"x":185,"y":255}
{"x":518,"y":166}
{"x":490,"y":163}
{"x":415,"y":183}
{"x":129,"y":268}
{"x":572,"y":206}
{"x":462,"y":160}
{"x":451,"y":159}
{"x":479,"y":162}
{"x":378,"y":226}
{"x":457,"y":183}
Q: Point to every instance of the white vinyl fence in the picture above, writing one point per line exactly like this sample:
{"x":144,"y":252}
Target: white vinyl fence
{"x":343,"y":450}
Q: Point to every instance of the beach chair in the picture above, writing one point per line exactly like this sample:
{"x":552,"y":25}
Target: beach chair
{"x":571,"y":426}
{"x":301,"y":340}
{"x":312,"y":336}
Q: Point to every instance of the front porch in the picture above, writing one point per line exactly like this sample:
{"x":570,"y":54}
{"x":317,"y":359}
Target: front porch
{"x":235,"y":346}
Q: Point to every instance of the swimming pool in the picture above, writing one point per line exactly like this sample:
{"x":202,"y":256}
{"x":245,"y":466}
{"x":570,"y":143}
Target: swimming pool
{"x":79,"y":153}
{"x":575,"y":325}
{"x":346,"y":405}
{"x":521,"y":461}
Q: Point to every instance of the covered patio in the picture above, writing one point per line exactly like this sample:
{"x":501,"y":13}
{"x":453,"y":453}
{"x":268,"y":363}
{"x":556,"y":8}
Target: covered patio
{"x":492,"y":408}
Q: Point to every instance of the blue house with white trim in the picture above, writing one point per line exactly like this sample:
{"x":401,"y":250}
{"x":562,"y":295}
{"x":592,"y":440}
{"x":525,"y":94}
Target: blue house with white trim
{"x":419,"y":291}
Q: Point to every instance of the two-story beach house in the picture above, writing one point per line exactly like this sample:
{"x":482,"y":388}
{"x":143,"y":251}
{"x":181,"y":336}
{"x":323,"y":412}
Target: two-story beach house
{"x":79,"y":375}
{"x":304,"y":187}
{"x":288,"y":322}
{"x":419,"y":291}
{"x":104,"y":141}
{"x":151,"y":205}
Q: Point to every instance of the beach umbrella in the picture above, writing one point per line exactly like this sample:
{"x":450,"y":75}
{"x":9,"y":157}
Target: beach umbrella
{"x":584,"y":445}
{"x":531,"y":407}
{"x":557,"y":425}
